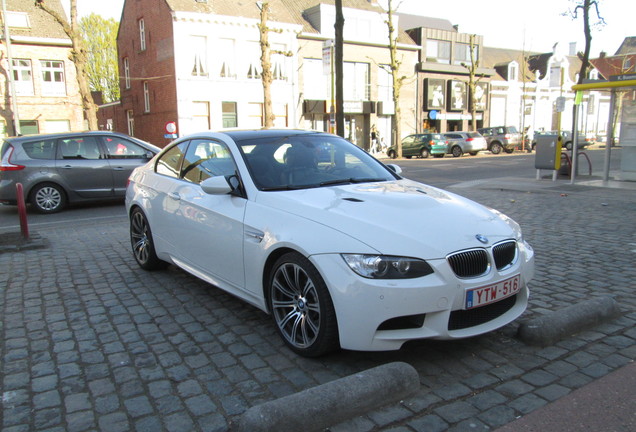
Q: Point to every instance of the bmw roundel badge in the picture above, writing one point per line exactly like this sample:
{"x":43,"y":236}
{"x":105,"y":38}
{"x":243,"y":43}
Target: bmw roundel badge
{"x":481,"y":238}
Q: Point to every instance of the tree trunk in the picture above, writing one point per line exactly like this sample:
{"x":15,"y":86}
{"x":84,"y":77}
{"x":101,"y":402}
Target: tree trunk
{"x":266,"y":76}
{"x":396,"y":138}
{"x":339,"y":27}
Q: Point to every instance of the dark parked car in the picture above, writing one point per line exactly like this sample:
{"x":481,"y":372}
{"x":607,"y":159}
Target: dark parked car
{"x":566,"y":143}
{"x":58,"y":169}
{"x":421,"y":145}
{"x":499,"y":138}
{"x":465,"y":142}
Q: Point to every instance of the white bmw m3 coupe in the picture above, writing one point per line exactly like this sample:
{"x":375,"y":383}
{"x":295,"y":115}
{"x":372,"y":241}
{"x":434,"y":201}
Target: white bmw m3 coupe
{"x":328,"y":240}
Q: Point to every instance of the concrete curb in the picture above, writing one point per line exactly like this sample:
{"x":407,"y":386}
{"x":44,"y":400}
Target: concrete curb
{"x":548,"y":329}
{"x":331,"y":403}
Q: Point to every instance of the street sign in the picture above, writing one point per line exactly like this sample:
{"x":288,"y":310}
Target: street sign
{"x":560,"y":104}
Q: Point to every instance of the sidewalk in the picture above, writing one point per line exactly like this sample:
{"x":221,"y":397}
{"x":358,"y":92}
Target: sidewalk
{"x":607,"y":404}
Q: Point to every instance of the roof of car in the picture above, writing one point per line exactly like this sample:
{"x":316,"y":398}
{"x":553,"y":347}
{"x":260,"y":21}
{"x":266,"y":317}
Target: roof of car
{"x":27,"y":138}
{"x":244,"y":134}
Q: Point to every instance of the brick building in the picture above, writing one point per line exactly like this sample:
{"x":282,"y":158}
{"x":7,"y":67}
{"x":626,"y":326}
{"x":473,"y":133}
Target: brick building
{"x":44,"y":79}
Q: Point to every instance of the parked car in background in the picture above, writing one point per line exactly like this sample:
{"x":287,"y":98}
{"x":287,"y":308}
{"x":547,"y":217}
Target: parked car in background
{"x":335,"y":251}
{"x":58,"y":169}
{"x":421,"y":145}
{"x":464,"y":142}
{"x":567,"y":139}
{"x":499,"y":138}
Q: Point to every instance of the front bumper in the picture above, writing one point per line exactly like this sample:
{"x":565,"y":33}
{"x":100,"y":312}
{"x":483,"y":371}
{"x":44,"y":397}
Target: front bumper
{"x":363,"y":306}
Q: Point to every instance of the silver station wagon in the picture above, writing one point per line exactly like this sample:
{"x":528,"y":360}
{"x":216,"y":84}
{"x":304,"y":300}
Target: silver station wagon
{"x":59,"y":169}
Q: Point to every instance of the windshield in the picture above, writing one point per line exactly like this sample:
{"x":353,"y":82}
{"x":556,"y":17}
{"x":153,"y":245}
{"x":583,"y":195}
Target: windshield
{"x":309,"y":160}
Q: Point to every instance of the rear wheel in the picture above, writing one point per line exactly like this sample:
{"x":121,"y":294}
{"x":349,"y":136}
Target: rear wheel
{"x":457,"y":151}
{"x":302,"y":307}
{"x":496,"y":148}
{"x":142,"y":244}
{"x":424,"y":153}
{"x":48,"y":198}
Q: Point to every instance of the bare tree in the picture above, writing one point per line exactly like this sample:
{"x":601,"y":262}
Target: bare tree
{"x":473,"y":79}
{"x":267,"y":77}
{"x":584,"y":8}
{"x":397,"y":80}
{"x":78,"y":57}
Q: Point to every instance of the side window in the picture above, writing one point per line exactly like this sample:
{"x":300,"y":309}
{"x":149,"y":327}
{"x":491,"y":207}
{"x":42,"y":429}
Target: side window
{"x":79,"y":148}
{"x":40,"y":149}
{"x":408,"y":140}
{"x":205,"y":159}
{"x":168,"y":164}
{"x":120,"y":148}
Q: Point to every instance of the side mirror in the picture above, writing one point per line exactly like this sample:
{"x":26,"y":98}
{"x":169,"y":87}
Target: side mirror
{"x":396,"y":169}
{"x":217,"y":185}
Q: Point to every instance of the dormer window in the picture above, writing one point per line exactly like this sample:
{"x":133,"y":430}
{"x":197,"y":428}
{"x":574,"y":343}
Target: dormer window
{"x":594,"y":74}
{"x":513,"y":71}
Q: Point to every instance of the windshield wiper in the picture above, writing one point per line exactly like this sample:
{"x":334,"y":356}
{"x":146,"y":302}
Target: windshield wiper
{"x":351,"y":180}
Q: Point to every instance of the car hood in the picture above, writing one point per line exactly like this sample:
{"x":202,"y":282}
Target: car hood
{"x":399,"y":217}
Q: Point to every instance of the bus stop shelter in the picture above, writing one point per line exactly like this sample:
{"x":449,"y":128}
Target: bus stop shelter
{"x":617,"y":85}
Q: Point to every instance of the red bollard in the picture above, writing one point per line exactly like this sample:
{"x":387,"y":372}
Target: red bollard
{"x":24,"y":226}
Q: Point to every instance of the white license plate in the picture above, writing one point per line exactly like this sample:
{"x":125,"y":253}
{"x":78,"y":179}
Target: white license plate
{"x":492,"y":293}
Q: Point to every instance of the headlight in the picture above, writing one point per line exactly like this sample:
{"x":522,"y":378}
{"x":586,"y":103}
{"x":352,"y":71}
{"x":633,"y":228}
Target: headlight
{"x":387,"y":267}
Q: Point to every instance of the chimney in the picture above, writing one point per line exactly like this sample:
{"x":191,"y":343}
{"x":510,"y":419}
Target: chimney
{"x":572,"y":49}
{"x":602,"y":54}
{"x":456,"y":27}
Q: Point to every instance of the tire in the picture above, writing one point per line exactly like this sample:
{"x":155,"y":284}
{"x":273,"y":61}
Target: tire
{"x":568,"y":146}
{"x":438,"y":156}
{"x":473,"y":153}
{"x":408,"y":157}
{"x":495,"y":148}
{"x":48,"y":198}
{"x":142,"y":244}
{"x":392,"y":154}
{"x":457,"y":151}
{"x":509,"y":150}
{"x":424,"y":153}
{"x":301,"y":306}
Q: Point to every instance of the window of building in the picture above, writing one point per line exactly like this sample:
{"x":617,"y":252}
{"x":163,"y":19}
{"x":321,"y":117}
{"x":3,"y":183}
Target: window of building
{"x":385,"y":84}
{"x":127,"y":73}
{"x":142,"y":35}
{"x":229,"y":114}
{"x":23,"y":77}
{"x":29,"y":127}
{"x":278,"y":61}
{"x":462,"y":53}
{"x":199,"y":47}
{"x":53,"y":78}
{"x":146,"y":97}
{"x":513,"y":71}
{"x":57,"y":126}
{"x":130,"y":121}
{"x":356,"y":81}
{"x":438,"y":51}
{"x":227,"y":60}
{"x":255,"y":115}
{"x":252,"y":60}
{"x":18,"y":19}
{"x":201,"y":115}
{"x":3,"y":129}
{"x":315,"y":82}
{"x":281,"y":115}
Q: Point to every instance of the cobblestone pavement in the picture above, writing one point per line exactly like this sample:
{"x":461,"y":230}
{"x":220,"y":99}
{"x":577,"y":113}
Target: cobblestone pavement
{"x":92,"y":342}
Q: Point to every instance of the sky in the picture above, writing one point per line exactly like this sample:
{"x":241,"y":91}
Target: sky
{"x":533,"y":25}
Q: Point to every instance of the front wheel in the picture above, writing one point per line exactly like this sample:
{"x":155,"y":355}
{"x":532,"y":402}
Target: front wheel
{"x":496,"y":148}
{"x":302,"y":307}
{"x":48,"y":198}
{"x":142,"y":244}
{"x":392,"y":154}
{"x":424,"y":153}
{"x":457,"y":151}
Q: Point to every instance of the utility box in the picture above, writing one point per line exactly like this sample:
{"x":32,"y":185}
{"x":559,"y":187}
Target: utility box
{"x":548,"y":152}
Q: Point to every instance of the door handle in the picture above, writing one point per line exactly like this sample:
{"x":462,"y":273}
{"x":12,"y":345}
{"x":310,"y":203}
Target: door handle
{"x":118,"y":168}
{"x":67,"y":167}
{"x":174,"y":196}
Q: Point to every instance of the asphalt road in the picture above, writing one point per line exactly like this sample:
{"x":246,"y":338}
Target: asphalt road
{"x":442,"y":173}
